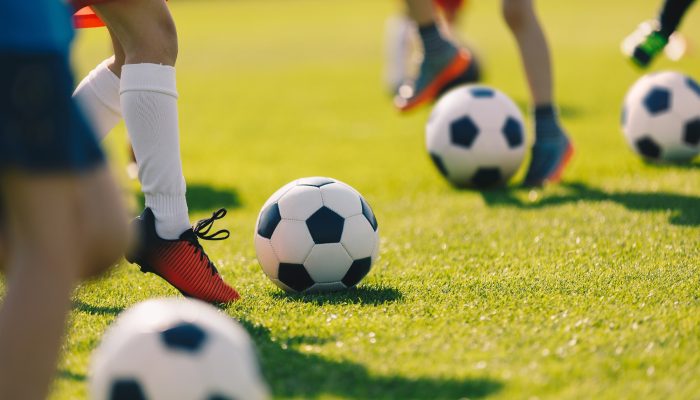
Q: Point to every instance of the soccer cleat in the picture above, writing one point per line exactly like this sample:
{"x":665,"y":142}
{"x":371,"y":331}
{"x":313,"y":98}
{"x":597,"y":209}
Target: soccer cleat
{"x":435,"y":77}
{"x":183,"y":262}
{"x":644,"y":44}
{"x":549,"y":158}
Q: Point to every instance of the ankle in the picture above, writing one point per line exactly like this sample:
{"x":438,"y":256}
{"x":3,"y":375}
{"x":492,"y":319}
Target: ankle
{"x":547,"y":123}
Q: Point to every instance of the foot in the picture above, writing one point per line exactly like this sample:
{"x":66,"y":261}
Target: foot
{"x":549,"y":158}
{"x":435,"y":76}
{"x":644,"y":44}
{"x":183,"y":262}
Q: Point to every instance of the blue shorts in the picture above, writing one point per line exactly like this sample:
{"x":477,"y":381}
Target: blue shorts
{"x":41,"y":128}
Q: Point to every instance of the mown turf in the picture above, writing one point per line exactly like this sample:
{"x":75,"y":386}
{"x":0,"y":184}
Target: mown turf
{"x":585,"y":290}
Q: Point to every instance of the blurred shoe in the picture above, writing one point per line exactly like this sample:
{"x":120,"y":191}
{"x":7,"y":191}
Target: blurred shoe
{"x":435,"y":76}
{"x":549,"y":158}
{"x":644,"y":44}
{"x":183,"y":262}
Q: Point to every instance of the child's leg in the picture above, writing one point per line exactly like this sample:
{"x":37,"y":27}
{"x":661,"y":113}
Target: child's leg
{"x":421,"y":11}
{"x":443,"y":64}
{"x":552,"y":148}
{"x":52,"y":242}
{"x":168,"y":247}
{"x":98,"y":92}
{"x":534,"y":51}
{"x":147,"y":34}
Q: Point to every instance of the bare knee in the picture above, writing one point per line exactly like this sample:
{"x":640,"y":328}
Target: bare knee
{"x":516,"y":13}
{"x":143,"y":31}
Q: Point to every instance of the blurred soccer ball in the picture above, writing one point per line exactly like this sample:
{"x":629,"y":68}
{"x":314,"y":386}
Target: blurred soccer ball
{"x":661,"y":117}
{"x":175,"y":349}
{"x":475,"y":137}
{"x":316,"y":234}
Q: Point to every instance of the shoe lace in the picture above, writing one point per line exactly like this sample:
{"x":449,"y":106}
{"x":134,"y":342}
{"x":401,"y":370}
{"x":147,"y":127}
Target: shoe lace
{"x":201,"y":230}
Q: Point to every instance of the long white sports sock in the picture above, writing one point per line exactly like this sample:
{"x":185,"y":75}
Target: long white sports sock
{"x":98,"y":96}
{"x":149,"y":106}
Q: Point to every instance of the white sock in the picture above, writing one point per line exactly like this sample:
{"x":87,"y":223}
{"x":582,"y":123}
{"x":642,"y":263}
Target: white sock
{"x":98,"y":96}
{"x":149,"y":106}
{"x":400,"y":43}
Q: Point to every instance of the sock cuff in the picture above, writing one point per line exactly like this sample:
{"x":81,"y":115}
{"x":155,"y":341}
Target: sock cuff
{"x":545,"y":111}
{"x":106,"y":85}
{"x":430,"y":29}
{"x":149,"y":78}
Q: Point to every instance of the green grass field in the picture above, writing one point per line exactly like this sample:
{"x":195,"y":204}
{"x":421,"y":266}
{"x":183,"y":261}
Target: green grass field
{"x":590,"y":289}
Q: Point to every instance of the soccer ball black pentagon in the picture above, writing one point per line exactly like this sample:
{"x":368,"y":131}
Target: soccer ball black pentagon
{"x":475,"y":137}
{"x":661,"y":117}
{"x":316,"y":234}
{"x":175,"y":349}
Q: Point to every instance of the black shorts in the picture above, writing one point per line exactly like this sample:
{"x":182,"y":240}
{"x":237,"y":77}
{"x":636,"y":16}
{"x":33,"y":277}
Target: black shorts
{"x":41,"y":128}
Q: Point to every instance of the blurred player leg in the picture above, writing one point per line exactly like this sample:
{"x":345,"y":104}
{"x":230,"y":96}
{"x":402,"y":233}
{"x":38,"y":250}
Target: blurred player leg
{"x":552,"y":149}
{"x":98,"y":95}
{"x":98,"y":92}
{"x":650,"y":38}
{"x":399,"y":39}
{"x":57,"y":234}
{"x":62,"y":213}
{"x":671,"y":15}
{"x":443,"y":63}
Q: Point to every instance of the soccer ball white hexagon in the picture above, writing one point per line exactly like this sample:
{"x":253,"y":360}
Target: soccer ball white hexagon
{"x":175,"y":349}
{"x":316,"y":234}
{"x":475,"y":137}
{"x":661,"y":117}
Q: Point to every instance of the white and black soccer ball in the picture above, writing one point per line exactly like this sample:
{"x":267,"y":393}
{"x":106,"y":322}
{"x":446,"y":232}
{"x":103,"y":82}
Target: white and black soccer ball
{"x":316,"y":234}
{"x":661,"y":117}
{"x":175,"y":349}
{"x":475,"y":137}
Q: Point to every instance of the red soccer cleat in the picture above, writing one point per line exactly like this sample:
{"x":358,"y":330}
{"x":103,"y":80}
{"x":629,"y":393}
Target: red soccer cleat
{"x":183,"y":262}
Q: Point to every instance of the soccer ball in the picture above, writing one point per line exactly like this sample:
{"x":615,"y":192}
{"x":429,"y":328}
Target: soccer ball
{"x":475,"y":137}
{"x":661,"y":117}
{"x":316,"y":234}
{"x":175,"y":349}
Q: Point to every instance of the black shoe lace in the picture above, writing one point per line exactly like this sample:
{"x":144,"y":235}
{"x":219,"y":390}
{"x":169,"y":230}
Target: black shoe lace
{"x":201,"y":230}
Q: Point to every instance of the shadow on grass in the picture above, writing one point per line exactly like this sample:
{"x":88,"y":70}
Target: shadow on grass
{"x":292,"y":373}
{"x":201,"y":197}
{"x":685,"y":209}
{"x":364,"y":295}
{"x":70,"y":376}
{"x":96,"y":310}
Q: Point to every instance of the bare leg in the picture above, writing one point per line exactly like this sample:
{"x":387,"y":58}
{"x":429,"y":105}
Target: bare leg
{"x":142,"y":31}
{"x":49,"y":232}
{"x":534,"y":51}
{"x":119,"y":55}
{"x":421,"y":11}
